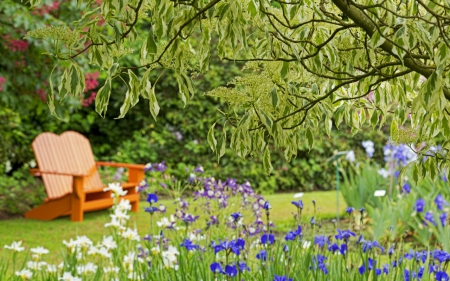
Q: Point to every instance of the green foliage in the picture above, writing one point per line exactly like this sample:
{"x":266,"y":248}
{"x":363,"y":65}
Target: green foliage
{"x":306,"y":67}
{"x":19,"y":192}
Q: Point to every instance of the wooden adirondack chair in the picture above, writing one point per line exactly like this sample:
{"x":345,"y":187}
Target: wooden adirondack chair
{"x":69,"y":172}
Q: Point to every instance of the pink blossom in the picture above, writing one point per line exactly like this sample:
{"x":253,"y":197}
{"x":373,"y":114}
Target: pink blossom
{"x":2,"y":81}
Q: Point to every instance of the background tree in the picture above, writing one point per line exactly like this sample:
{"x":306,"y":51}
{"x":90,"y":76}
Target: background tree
{"x":309,"y":64}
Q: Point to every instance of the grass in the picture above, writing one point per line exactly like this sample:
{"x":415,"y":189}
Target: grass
{"x":50,"y":234}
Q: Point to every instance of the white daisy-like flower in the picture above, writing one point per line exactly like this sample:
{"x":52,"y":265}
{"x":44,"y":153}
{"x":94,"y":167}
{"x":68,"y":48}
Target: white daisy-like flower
{"x":170,"y":257}
{"x":124,"y":205}
{"x":39,"y":251}
{"x":15,"y":247}
{"x":51,"y":268}
{"x":36,"y":265}
{"x":116,"y":189}
{"x":84,"y":242}
{"x":131,"y":234}
{"x":93,"y":250}
{"x":111,"y":270}
{"x":25,"y":274}
{"x":114,"y":222}
{"x":109,"y":242}
{"x":104,"y":253}
{"x":164,"y":222}
{"x":71,"y":245}
{"x":87,"y":268}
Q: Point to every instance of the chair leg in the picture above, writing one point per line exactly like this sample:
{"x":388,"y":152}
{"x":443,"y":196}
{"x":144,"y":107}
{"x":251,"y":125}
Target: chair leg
{"x":135,"y":206}
{"x":77,"y":209}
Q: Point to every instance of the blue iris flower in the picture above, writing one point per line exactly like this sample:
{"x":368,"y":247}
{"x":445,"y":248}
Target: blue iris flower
{"x":231,"y":270}
{"x":420,"y":204}
{"x":243,"y":266}
{"x":385,"y":268}
{"x":407,"y":188}
{"x":298,"y":204}
{"x":443,"y":218}
{"x":291,"y":235}
{"x":234,"y":246}
{"x":320,"y":240}
{"x":152,"y":198}
{"x":151,"y":209}
{"x":369,"y":245}
{"x":236,"y":216}
{"x":262,"y":255}
{"x":429,"y":217}
{"x":267,"y":206}
{"x":440,"y":202}
{"x":282,"y":278}
{"x":319,"y":262}
{"x":267,"y":239}
{"x":366,"y":266}
{"x":189,"y":245}
{"x":349,"y":210}
{"x":442,"y":276}
{"x":344,"y":234}
{"x":216,"y":268}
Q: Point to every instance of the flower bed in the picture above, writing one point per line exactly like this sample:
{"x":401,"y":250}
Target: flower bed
{"x":227,"y":236}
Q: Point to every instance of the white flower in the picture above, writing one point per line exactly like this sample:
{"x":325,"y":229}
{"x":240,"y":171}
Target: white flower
{"x":124,"y":205}
{"x":25,"y":274}
{"x":93,"y":250}
{"x":306,"y":244}
{"x":84,"y":242}
{"x":116,"y":189}
{"x":104,"y":253}
{"x":15,"y":247}
{"x":369,"y":147}
{"x":155,"y":250}
{"x":120,"y":216}
{"x":111,"y":269}
{"x":350,"y":156}
{"x":36,"y":265}
{"x":39,"y":251}
{"x":164,"y":222}
{"x":114,"y":222}
{"x":196,"y":236}
{"x":384,"y":173}
{"x":87,"y":268}
{"x":131,"y":234}
{"x":51,"y":268}
{"x":170,"y":257}
{"x":129,"y":259}
{"x":67,"y":276}
{"x":109,"y":242}
{"x":71,"y":245}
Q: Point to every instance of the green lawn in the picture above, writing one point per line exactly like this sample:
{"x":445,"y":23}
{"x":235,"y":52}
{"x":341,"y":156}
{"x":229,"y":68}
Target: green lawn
{"x":50,"y":234}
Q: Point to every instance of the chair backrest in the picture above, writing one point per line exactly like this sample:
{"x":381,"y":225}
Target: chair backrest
{"x":68,"y":153}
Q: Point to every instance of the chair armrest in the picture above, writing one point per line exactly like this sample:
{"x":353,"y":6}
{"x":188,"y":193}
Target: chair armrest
{"x":123,"y":165}
{"x":36,"y":172}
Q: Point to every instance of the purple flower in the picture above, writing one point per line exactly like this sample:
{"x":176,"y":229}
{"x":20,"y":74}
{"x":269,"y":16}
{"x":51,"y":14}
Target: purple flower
{"x":152,"y":198}
{"x":440,"y":202}
{"x":151,"y":209}
{"x":298,"y":204}
{"x":407,"y":188}
{"x":319,"y":262}
{"x":312,"y":221}
{"x":236,"y":216}
{"x":231,"y":270}
{"x":366,"y":266}
{"x":369,"y":245}
{"x":344,"y":234}
{"x":349,"y":210}
{"x":443,"y":218}
{"x":420,"y":204}
{"x":189,"y":245}
{"x":429,"y":217}
{"x":216,"y":268}
{"x":267,"y":239}
{"x":199,"y":169}
{"x":191,"y":178}
{"x":234,"y":245}
{"x":267,"y":206}
{"x":385,"y":268}
{"x":442,"y":276}
{"x":281,"y":278}
{"x":291,"y":235}
{"x":188,"y":218}
{"x":262,"y":255}
{"x":242,"y":266}
{"x":320,"y":240}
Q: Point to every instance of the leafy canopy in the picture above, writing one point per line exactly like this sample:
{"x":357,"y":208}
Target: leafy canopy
{"x":309,"y":64}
